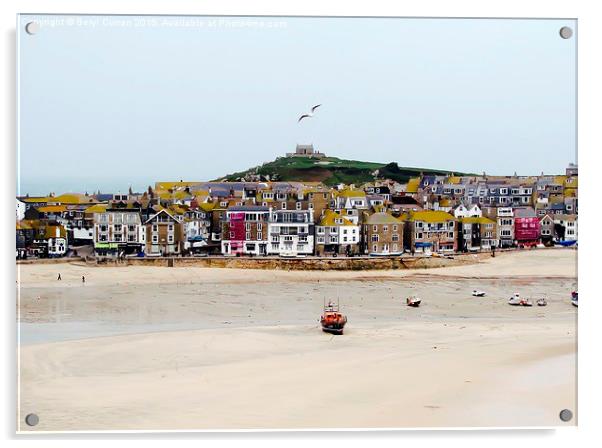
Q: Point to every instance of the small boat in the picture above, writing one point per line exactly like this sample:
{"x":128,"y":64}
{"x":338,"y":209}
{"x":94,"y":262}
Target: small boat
{"x":477,"y":293}
{"x":332,"y":320}
{"x":385,"y":254}
{"x":517,"y":300}
{"x":413,"y":301}
{"x":542,"y":302}
{"x":567,"y":243}
{"x":574,"y":298}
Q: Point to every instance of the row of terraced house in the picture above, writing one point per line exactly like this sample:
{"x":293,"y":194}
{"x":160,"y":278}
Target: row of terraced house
{"x":426,"y":214}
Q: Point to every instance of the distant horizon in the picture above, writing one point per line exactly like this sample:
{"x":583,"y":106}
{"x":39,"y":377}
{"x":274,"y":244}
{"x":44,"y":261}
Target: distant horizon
{"x":141,"y":187}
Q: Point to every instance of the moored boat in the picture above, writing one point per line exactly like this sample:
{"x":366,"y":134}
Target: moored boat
{"x":574,"y":298}
{"x":413,"y":301}
{"x":477,"y":293}
{"x":542,"y":302}
{"x":332,"y":320}
{"x":517,"y":300}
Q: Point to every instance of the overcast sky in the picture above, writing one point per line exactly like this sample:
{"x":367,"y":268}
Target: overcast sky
{"x":109,"y":102}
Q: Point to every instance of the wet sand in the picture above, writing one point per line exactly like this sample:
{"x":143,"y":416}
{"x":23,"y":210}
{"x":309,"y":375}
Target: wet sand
{"x":192,"y":348}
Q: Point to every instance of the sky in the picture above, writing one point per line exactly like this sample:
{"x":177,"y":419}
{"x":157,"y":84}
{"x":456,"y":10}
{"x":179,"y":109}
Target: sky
{"x":109,"y":102}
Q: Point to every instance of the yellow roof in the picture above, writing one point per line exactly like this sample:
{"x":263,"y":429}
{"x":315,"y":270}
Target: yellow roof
{"x":454,"y":179}
{"x":571,"y":182}
{"x":98,"y":208}
{"x":52,"y":208}
{"x":413,"y":184}
{"x":430,"y":216}
{"x":26,"y":224}
{"x":347,"y":193}
{"x":50,"y":231}
{"x":207,"y":206}
{"x":36,"y":199}
{"x":445,"y":202}
{"x":169,"y":185}
{"x":330,"y":217}
{"x":72,"y":198}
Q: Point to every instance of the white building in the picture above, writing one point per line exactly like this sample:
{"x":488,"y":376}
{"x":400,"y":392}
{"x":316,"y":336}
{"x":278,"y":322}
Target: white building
{"x":505,"y":226}
{"x":21,"y":207}
{"x":119,"y":231}
{"x":337,"y":234}
{"x":290,"y":232}
{"x":57,"y":240}
{"x":569,"y":223}
{"x":472,"y":211}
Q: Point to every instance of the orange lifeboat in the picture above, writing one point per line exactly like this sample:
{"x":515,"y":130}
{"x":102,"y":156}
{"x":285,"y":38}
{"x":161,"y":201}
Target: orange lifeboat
{"x":332,"y":320}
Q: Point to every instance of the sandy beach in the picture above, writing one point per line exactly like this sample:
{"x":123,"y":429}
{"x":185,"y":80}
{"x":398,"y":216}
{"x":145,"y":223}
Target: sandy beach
{"x":190,"y":348}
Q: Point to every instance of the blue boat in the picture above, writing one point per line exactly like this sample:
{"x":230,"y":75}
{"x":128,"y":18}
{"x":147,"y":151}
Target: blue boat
{"x":567,"y":243}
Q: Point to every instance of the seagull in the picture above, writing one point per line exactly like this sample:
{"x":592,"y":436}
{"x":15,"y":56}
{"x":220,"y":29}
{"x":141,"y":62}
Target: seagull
{"x":309,"y":115}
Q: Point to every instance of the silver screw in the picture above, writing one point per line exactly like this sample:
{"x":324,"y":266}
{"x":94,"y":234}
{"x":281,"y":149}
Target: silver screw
{"x":566,"y":32}
{"x":32,"y":28}
{"x":32,"y":419}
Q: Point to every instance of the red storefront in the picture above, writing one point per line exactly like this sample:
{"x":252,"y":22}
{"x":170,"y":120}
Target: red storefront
{"x":526,"y":226}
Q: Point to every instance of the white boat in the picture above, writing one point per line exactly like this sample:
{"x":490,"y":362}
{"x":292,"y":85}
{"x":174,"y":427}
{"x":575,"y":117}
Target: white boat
{"x":542,"y":302}
{"x":574,"y":298}
{"x":477,"y":293}
{"x":413,"y":301}
{"x":517,"y":300}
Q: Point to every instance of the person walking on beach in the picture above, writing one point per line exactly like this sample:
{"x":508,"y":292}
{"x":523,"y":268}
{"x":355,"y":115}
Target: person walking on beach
{"x":59,"y":277}
{"x":83,"y":279}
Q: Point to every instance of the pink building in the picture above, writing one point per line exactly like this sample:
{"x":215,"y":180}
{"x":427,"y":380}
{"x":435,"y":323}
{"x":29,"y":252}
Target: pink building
{"x":526,"y":226}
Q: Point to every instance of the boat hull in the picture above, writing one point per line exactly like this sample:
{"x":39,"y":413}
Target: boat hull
{"x":333,"y":329}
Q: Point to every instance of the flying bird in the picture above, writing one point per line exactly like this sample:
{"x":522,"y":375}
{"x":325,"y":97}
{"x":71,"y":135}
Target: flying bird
{"x":309,"y":115}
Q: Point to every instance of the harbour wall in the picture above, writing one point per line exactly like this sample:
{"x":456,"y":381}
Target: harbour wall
{"x":301,"y":264}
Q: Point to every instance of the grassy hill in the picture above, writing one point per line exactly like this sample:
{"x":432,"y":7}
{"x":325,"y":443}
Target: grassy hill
{"x":329,"y":170}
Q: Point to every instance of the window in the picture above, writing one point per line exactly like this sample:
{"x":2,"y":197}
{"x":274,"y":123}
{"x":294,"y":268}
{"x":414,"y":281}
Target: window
{"x":259,"y":236}
{"x":375,"y":228}
{"x":117,"y":227}
{"x":231,"y":235}
{"x":170,"y":239}
{"x":155,"y":238}
{"x":395,"y":228}
{"x":284,"y":206}
{"x":248,"y":236}
{"x":395,"y":237}
{"x":419,"y":235}
{"x":320,"y":229}
{"x":333,"y":230}
{"x":155,"y":227}
{"x":170,"y":227}
{"x":375,"y":247}
{"x":298,"y":205}
{"x":375,"y":237}
{"x":385,"y":228}
{"x":259,"y":226}
{"x":248,"y":226}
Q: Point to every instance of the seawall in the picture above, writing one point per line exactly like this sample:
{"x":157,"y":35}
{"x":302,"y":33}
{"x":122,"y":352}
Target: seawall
{"x":300,"y":264}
